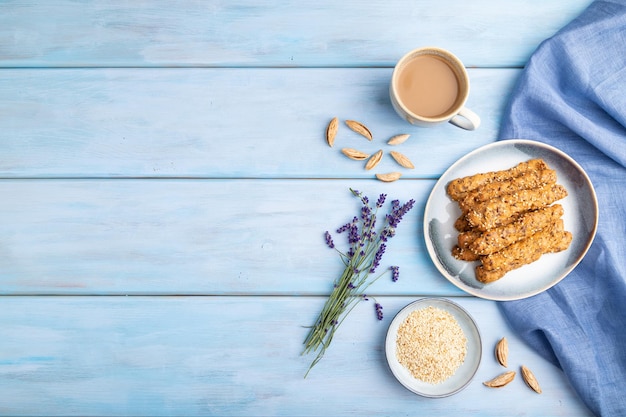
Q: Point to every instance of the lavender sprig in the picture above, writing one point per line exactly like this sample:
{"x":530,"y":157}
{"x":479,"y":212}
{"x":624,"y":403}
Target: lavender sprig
{"x":366,"y":248}
{"x":395,"y":273}
{"x":379,"y":311}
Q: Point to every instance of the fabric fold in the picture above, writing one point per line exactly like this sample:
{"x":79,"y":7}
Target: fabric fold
{"x":572,"y":95}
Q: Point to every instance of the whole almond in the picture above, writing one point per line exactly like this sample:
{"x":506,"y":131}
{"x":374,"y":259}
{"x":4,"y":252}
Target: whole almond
{"x":389,"y":177}
{"x":354,"y":154}
{"x":501,"y":380}
{"x":502,"y":352}
{"x":398,"y":139}
{"x":331,"y":131}
{"x":401,"y":159}
{"x":374,"y":160}
{"x":359,"y":128}
{"x":530,"y":380}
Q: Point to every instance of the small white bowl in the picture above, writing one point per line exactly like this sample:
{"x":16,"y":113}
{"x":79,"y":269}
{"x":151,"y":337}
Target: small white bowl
{"x":466,"y":371}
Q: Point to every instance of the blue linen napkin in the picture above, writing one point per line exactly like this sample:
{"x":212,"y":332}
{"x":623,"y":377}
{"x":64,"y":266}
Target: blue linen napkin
{"x":572,"y":95}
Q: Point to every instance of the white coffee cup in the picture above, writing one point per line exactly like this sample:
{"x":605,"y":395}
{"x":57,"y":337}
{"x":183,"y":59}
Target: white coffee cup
{"x":430,"y":86}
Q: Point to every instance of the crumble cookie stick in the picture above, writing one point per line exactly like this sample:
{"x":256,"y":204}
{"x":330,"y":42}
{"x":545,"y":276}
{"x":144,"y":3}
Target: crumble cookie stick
{"x":527,"y":180}
{"x":523,"y":252}
{"x":457,"y":188}
{"x":464,"y":254}
{"x":536,"y":244}
{"x":461,"y":224}
{"x":527,"y":224}
{"x":465,"y":239}
{"x":496,"y":212}
{"x":461,"y":251}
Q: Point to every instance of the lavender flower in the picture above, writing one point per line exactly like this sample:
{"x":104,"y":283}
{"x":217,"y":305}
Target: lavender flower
{"x":344,"y":228}
{"x":354,"y":236}
{"x":329,"y":240}
{"x":366,"y":212}
{"x":379,"y":311}
{"x":366,"y":247}
{"x":395,"y":273}
{"x":378,"y":257}
{"x":398,"y":212}
{"x":381,"y":200}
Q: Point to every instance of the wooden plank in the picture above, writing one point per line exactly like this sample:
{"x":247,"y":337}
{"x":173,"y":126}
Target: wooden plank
{"x":197,"y":236}
{"x":230,"y":356}
{"x":273,"y":33}
{"x":221,"y":123}
{"x":202,"y":191}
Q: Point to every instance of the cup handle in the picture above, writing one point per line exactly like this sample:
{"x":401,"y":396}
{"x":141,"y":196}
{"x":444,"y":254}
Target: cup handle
{"x":466,"y":119}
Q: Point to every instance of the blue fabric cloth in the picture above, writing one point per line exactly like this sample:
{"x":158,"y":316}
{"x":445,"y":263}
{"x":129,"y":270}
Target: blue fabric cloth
{"x":572,"y":95}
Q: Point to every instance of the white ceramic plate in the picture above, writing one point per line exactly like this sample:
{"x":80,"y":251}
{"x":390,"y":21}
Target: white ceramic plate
{"x":466,"y":371}
{"x":580,"y":218}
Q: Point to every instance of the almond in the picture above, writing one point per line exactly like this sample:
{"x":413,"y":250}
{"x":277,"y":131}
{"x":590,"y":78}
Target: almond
{"x":402,"y":159}
{"x":359,"y":128}
{"x":354,"y":154}
{"x":530,"y":380}
{"x":502,"y":352}
{"x":501,"y":380}
{"x":398,"y":139}
{"x":374,"y":160}
{"x":331,"y":131}
{"x":389,"y":177}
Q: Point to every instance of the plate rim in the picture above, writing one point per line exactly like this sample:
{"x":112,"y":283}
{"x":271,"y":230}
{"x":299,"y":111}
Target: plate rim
{"x":428,"y":301}
{"x":507,"y":143}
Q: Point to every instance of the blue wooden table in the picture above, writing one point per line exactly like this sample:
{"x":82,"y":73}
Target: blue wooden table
{"x":166,"y":186}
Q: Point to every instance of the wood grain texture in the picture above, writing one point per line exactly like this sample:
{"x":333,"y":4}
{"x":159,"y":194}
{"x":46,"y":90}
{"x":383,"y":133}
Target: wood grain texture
{"x":221,"y":123}
{"x":234,"y":356}
{"x":272,"y":33}
{"x":197,"y":237}
{"x":166,"y":186}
